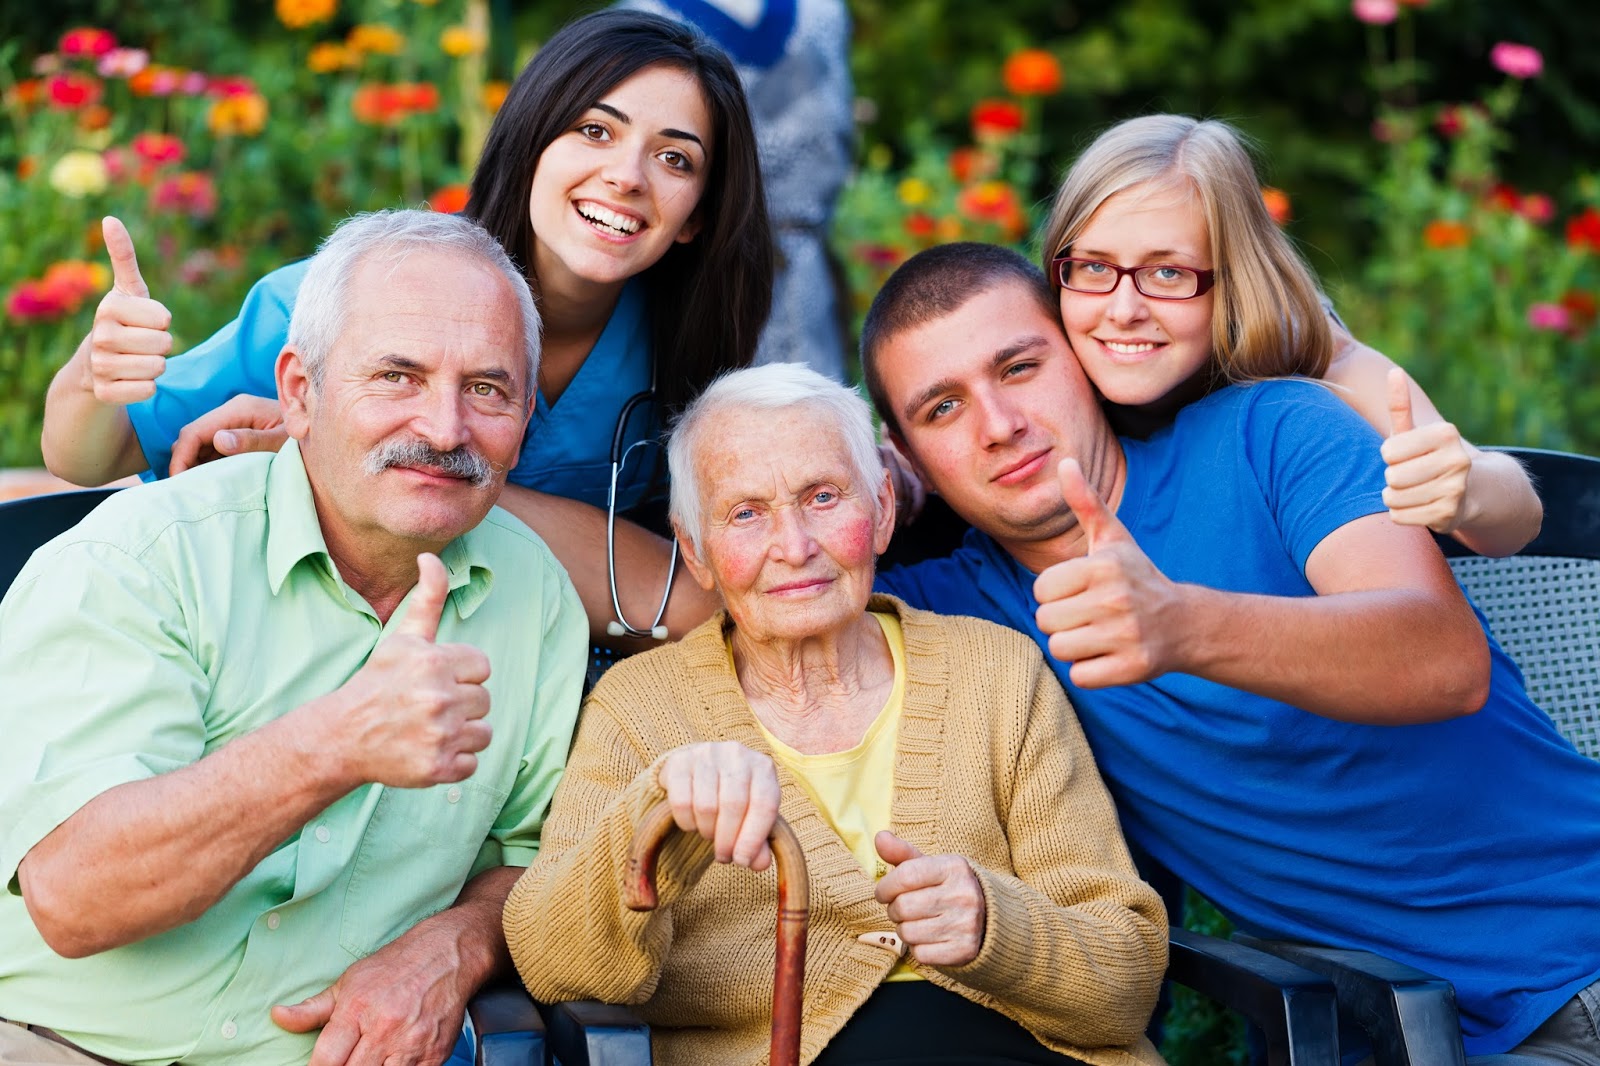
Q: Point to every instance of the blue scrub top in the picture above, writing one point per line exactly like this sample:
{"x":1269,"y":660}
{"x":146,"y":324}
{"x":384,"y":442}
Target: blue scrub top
{"x":566,"y":450}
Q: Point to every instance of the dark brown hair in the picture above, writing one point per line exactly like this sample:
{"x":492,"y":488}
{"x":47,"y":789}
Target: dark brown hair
{"x":932,"y":284}
{"x":708,"y":298}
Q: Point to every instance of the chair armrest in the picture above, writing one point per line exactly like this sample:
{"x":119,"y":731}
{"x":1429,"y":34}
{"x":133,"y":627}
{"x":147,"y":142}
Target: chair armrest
{"x":1409,"y":1014}
{"x":586,"y":1033}
{"x":1292,"y":1006}
{"x":509,"y":1029}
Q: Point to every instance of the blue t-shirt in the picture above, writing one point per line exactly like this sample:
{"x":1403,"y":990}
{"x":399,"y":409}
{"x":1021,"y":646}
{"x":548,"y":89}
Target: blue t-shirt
{"x":1468,"y":848}
{"x":567,"y":448}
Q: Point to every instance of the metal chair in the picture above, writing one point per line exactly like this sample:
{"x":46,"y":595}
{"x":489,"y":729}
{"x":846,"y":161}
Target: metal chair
{"x":510,"y":1030}
{"x":1543,"y":606}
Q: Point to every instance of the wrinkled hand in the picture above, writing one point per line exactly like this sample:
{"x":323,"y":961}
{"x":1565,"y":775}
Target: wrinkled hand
{"x":243,"y":424}
{"x":413,"y":716}
{"x":935,"y":902}
{"x":909,"y":492}
{"x":728,"y":794}
{"x":1110,"y":613}
{"x":1428,"y":466}
{"x":129,"y":341}
{"x":399,"y":1006}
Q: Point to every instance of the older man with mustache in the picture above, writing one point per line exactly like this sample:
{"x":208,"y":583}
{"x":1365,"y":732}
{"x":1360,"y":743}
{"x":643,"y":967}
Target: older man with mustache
{"x":281,"y":733}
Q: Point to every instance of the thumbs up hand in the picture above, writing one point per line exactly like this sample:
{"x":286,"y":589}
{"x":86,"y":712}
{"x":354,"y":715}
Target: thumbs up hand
{"x":129,"y":340}
{"x":1428,"y":466}
{"x":935,"y":901}
{"x":413,"y":716}
{"x":1110,"y":613}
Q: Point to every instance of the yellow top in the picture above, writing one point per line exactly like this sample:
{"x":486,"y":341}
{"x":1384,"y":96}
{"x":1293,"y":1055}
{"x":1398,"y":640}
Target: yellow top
{"x":854,"y":788}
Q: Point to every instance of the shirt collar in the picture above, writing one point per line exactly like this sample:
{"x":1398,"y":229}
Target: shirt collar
{"x":294,"y":535}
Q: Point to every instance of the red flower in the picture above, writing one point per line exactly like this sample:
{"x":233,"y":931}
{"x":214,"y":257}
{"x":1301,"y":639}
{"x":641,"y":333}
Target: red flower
{"x":158,"y":148}
{"x":994,"y":202}
{"x":1537,"y":208}
{"x":972,"y":164}
{"x":34,"y":301}
{"x":920,"y":226}
{"x":191,"y":192}
{"x":1583,"y":231}
{"x":1582,"y":309}
{"x":1446,"y":233}
{"x":880,"y":255}
{"x":996,"y":120}
{"x":1502,"y":197}
{"x":419,"y":97}
{"x":1031,"y":72}
{"x":87,"y":41}
{"x":450,"y":200}
{"x":232,"y":85}
{"x":72,"y":90}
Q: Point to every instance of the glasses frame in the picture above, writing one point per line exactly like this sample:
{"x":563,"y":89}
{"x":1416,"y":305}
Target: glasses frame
{"x":1205,"y":279}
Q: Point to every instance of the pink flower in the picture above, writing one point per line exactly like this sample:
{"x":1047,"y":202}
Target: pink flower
{"x":1517,"y":60}
{"x":1537,"y":207}
{"x":1553,"y":317}
{"x":123,"y":62}
{"x":1376,"y":12}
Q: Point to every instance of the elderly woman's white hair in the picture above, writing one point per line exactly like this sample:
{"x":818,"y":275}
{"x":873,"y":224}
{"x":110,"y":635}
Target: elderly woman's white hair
{"x":773,"y":387}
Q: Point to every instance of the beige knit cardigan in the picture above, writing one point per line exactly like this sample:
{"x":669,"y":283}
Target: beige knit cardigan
{"x":990,"y":764}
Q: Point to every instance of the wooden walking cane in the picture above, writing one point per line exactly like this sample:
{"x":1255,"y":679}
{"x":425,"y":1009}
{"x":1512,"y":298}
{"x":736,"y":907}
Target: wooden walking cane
{"x":794,"y":908}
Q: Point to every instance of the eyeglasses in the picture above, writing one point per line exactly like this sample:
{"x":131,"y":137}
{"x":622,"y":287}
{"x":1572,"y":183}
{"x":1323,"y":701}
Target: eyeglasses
{"x":1162,"y":281}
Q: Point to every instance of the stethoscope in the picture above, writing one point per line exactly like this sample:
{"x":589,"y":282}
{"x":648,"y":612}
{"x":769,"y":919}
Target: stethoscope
{"x":620,"y":626}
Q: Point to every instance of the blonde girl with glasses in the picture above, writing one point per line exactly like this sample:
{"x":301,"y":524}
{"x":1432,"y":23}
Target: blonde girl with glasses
{"x":1173,"y":281}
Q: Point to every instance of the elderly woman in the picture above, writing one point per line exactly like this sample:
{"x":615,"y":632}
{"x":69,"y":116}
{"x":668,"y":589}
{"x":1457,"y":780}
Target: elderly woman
{"x":972,"y":900}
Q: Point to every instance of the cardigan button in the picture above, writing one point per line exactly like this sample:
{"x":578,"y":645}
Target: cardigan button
{"x":886,"y":941}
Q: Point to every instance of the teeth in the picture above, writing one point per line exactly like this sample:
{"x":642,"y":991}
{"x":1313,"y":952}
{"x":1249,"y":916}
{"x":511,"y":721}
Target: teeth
{"x":601,"y":216}
{"x":1129,"y":349}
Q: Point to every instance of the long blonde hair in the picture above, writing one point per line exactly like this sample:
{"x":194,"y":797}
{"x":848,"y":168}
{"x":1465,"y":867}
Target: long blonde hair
{"x":1269,"y":321}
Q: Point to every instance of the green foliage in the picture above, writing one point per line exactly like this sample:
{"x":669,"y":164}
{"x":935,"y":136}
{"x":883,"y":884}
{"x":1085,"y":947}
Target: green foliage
{"x":1197,"y":1032}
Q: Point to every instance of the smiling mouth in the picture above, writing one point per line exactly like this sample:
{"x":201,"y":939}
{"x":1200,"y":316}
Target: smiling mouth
{"x":609,"y":221}
{"x":1023,"y":470}
{"x":800,"y":586}
{"x":1121,"y":348}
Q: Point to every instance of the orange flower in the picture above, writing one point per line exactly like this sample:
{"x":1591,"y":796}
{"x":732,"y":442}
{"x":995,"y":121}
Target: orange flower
{"x":86,"y":41}
{"x":298,"y":14}
{"x":450,"y":200}
{"x":972,"y":164}
{"x":458,"y":41}
{"x":1277,"y":202}
{"x":25,"y":93}
{"x":242,"y":115}
{"x":1583,"y":231}
{"x":494,"y":94}
{"x":996,"y":203}
{"x":420,"y":97}
{"x":155,"y":81}
{"x":1446,"y":233}
{"x":376,"y":39}
{"x":27,"y":167}
{"x":329,"y":56}
{"x":74,"y":280}
{"x":1031,"y":72}
{"x":996,"y":120}
{"x":158,"y":148}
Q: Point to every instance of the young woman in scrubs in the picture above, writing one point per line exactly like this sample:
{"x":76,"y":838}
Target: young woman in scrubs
{"x":621,"y":173}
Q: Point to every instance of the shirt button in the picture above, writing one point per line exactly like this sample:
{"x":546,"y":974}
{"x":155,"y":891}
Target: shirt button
{"x":273,"y":920}
{"x":454,"y":794}
{"x":229,"y":1030}
{"x":323,"y":835}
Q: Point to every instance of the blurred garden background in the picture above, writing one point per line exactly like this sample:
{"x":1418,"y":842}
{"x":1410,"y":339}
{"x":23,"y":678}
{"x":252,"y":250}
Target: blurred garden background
{"x":1438,"y":161}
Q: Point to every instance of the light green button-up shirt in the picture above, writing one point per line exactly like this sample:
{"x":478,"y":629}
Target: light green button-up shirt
{"x":186,"y":613}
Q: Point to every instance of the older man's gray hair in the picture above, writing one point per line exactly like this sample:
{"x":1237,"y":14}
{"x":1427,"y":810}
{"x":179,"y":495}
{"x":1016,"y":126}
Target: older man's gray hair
{"x":323,"y":301}
{"x":773,"y":387}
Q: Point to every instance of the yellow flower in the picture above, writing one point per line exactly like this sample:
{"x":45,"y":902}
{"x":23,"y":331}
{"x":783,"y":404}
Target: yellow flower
{"x":494,"y":94}
{"x":79,"y":173}
{"x":329,"y":56}
{"x":244,"y":115}
{"x":298,"y":14}
{"x":458,"y":41}
{"x":914,"y":192}
{"x":377,"y":39}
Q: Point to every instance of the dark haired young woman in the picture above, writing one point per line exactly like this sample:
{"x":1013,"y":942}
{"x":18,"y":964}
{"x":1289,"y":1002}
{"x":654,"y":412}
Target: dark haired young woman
{"x":621,"y":174}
